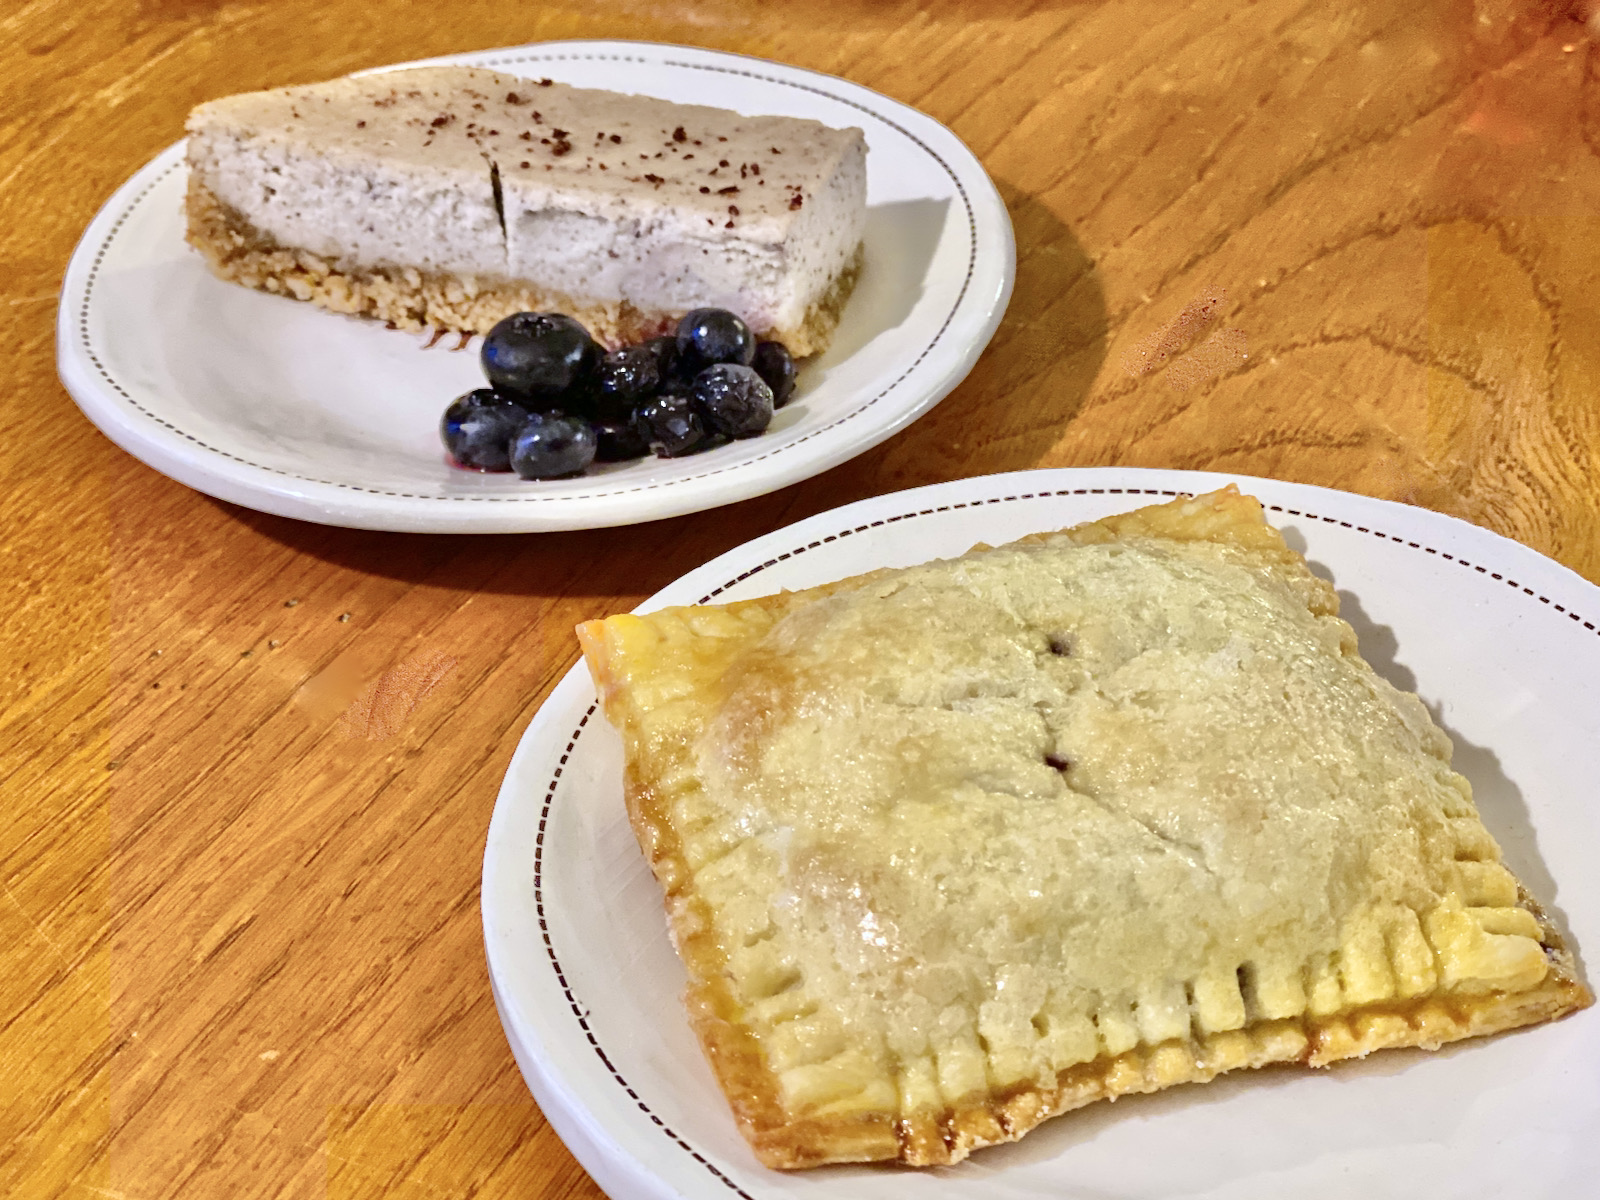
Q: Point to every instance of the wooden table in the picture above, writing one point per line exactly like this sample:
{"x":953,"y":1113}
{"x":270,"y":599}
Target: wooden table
{"x":248,"y":764}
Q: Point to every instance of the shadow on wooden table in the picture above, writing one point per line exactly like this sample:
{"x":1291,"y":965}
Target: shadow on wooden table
{"x":1028,"y":386}
{"x":630,"y":561}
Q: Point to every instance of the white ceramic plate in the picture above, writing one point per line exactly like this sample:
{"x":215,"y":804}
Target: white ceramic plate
{"x":279,"y":406}
{"x":1501,"y":642}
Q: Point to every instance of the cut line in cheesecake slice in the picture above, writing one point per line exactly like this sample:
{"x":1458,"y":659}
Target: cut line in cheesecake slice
{"x":952,"y":849}
{"x":454,"y":196}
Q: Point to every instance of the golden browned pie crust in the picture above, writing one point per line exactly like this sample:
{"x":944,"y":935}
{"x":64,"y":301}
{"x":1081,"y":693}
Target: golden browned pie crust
{"x":412,"y":299}
{"x":952,"y":849}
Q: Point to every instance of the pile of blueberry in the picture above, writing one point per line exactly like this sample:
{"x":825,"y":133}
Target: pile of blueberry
{"x":556,"y":402}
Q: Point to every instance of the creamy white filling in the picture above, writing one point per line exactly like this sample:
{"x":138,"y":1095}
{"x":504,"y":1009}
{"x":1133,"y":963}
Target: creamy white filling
{"x":670,"y":258}
{"x":358,"y":213}
{"x":822,"y":241}
{"x":645,"y":263}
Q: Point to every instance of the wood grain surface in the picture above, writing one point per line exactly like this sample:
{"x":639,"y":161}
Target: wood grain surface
{"x":246,"y":765}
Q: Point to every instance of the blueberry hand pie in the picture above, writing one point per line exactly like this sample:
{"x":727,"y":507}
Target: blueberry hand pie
{"x":952,"y":849}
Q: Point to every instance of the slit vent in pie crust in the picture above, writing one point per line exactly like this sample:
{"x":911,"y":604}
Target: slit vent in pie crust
{"x":952,"y":849}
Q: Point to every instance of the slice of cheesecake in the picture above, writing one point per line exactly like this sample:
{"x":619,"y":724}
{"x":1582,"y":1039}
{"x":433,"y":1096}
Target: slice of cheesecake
{"x":453,"y":196}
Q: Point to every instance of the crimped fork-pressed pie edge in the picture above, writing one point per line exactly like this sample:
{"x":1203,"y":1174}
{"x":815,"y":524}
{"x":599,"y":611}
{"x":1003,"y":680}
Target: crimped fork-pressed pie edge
{"x":930,"y":1138}
{"x":935,"y":1138}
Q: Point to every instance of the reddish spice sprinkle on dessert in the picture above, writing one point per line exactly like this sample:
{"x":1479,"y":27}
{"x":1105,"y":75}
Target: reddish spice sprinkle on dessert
{"x":361,"y":124}
{"x":728,"y":191}
{"x":616,"y":139}
{"x":546,"y":82}
{"x":796,"y":201}
{"x":678,"y":135}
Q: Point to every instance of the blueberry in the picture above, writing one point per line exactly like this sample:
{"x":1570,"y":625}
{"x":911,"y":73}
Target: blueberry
{"x":552,"y":445}
{"x":626,"y":377}
{"x":676,"y":387}
{"x":665,"y":350}
{"x":669,"y":425}
{"x":477,"y":429}
{"x":619,"y":441}
{"x":708,"y":336}
{"x":732,"y":400}
{"x":773,"y":363}
{"x":540,"y":357}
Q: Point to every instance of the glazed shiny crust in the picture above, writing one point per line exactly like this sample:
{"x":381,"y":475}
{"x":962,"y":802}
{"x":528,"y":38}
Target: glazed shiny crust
{"x":953,"y":849}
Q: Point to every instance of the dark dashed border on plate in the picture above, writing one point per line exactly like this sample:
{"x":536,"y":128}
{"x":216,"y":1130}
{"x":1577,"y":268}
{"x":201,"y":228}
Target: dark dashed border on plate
{"x":581,"y":1014}
{"x":966,"y":283}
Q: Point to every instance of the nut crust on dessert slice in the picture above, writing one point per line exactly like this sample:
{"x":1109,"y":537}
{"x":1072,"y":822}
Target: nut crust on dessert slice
{"x":952,"y":849}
